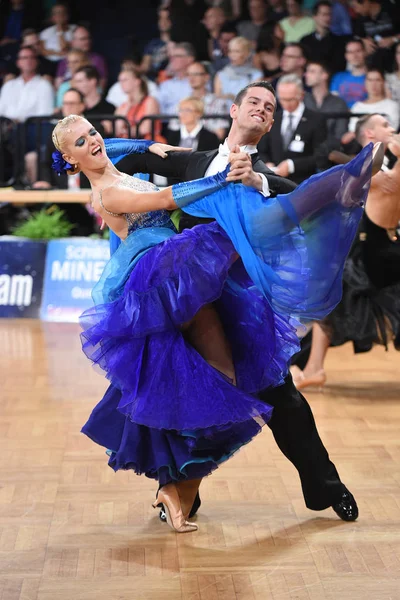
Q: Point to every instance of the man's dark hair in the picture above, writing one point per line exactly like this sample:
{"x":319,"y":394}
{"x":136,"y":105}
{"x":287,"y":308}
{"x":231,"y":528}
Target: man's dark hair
{"x":81,"y":96}
{"x":228,"y":28}
{"x":376,"y":70}
{"x":257,"y":84}
{"x":187,"y":47}
{"x":362,"y":124}
{"x":354,"y":40}
{"x":318,"y":5}
{"x":321,"y":64}
{"x":296,"y":45}
{"x":31,"y":48}
{"x":90,"y":72}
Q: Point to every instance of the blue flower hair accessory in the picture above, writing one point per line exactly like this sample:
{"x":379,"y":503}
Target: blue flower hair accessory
{"x":59,"y":165}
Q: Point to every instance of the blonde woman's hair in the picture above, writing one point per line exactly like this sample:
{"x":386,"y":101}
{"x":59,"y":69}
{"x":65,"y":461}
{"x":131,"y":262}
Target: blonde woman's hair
{"x":60,"y":131}
{"x":197,"y":104}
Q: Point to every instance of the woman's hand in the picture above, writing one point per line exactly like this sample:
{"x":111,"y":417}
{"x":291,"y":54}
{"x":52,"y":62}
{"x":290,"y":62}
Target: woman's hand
{"x":162,"y":149}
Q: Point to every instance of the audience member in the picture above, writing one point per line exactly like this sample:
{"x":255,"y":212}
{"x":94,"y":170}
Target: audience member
{"x":155,"y":56}
{"x":213,"y":21}
{"x":375,"y":25}
{"x":82,"y":40}
{"x":290,"y":148}
{"x":350,"y":84}
{"x":192,"y":133}
{"x":140,"y":104}
{"x":376,"y":101}
{"x":393,"y":79}
{"x":76,"y":59}
{"x":199,"y":79}
{"x":30,"y":37}
{"x":293,"y":61}
{"x":259,"y":20}
{"x":268,"y":54}
{"x":239,"y":72}
{"x":321,"y":100}
{"x":116,"y":96}
{"x":227,"y":33}
{"x":322,"y":44}
{"x":296,"y":25}
{"x":87,"y":80}
{"x":56,"y":39}
{"x":29,"y":95}
{"x":173,"y":90}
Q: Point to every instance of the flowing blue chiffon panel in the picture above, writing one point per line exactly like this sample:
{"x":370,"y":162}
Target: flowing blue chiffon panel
{"x":294,"y":246}
{"x":158,"y":453}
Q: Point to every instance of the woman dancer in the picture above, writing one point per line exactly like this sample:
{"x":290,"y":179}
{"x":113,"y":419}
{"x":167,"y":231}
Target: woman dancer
{"x":173,"y":411}
{"x":369,"y":312}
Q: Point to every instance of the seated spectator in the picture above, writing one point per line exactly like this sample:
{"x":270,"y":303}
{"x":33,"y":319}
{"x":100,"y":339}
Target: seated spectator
{"x":155,"y":56}
{"x":77,"y":214}
{"x":323,"y":45}
{"x":376,"y":101}
{"x":76,"y":59}
{"x":173,"y":90}
{"x":56,"y":40}
{"x":192,"y":133}
{"x":221,"y":58}
{"x":199,"y":81}
{"x":30,"y":37}
{"x":393,"y":79}
{"x":82,"y":40}
{"x":341,"y":20}
{"x":350,"y":84}
{"x":29,"y":95}
{"x":87,"y":80}
{"x":296,"y":25}
{"x":293,"y":61}
{"x":321,"y":100}
{"x":291,"y":147}
{"x":239,"y":72}
{"x":214,"y":19}
{"x":116,"y":96}
{"x":11,"y":32}
{"x":259,"y":20}
{"x":375,"y":25}
{"x":268,"y":54}
{"x":139,"y":105}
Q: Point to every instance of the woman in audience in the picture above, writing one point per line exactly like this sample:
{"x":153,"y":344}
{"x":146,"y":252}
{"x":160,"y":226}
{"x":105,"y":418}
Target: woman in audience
{"x":296,"y":25}
{"x":138,"y":105}
{"x":268,"y":53}
{"x":75,"y":60}
{"x":376,"y":102}
{"x":239,"y":72}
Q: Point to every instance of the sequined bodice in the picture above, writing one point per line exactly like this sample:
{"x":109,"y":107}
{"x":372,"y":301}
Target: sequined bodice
{"x":156,"y":218}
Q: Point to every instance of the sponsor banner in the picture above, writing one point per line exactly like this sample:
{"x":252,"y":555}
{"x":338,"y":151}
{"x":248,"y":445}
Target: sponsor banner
{"x":73,"y":267}
{"x":21,"y":277}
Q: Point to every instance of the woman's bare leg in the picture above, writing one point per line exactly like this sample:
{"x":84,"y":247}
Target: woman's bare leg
{"x":319,"y":348}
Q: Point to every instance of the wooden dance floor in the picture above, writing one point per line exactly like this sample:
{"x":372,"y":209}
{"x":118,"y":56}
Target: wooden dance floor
{"x":71,"y":529}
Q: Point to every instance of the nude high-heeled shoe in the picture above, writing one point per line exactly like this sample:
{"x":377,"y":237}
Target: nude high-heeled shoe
{"x":169,"y":497}
{"x":317,"y":380}
{"x":187,"y":491}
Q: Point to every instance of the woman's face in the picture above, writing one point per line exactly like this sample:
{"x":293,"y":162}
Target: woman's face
{"x":75,"y":62}
{"x":188,"y":115}
{"x":238,"y":53}
{"x":84,"y":146}
{"x":129,"y":83}
{"x":375,"y":84}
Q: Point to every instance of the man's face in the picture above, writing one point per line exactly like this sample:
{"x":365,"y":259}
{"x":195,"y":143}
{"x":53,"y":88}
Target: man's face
{"x":83,"y":84}
{"x":180,"y":60}
{"x":32,"y":39}
{"x":81,"y":39}
{"x":164,"y":22}
{"x":72,"y":104}
{"x":255,"y":114}
{"x":314,"y":75}
{"x":323,"y":18}
{"x":379,"y":130}
{"x":59,"y":15}
{"x":197,"y":76}
{"x":213,"y":18}
{"x":224,"y":39}
{"x":257,"y":10}
{"x":375,"y":84}
{"x":355,"y":54}
{"x":289,"y":96}
{"x":27,"y":61}
{"x":292,"y":59}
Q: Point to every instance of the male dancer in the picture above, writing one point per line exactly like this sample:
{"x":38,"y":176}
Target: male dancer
{"x":292,"y":423}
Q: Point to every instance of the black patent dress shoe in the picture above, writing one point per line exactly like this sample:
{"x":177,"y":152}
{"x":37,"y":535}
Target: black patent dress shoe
{"x":346,"y":508}
{"x":195,"y":508}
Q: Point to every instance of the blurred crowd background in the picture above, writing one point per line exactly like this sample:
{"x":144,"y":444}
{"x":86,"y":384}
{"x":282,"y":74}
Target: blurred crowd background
{"x":169,"y":71}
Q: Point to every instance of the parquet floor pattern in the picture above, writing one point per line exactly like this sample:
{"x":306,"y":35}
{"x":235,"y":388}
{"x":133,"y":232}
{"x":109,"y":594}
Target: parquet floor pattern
{"x":71,"y":529}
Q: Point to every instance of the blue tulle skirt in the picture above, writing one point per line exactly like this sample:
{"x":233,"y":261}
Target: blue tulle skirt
{"x":168,"y":413}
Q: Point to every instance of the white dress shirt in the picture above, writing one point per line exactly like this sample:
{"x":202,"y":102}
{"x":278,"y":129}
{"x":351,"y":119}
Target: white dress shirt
{"x":190,"y":139}
{"x":296,"y":117}
{"x":221,"y":161}
{"x":21,"y":99}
